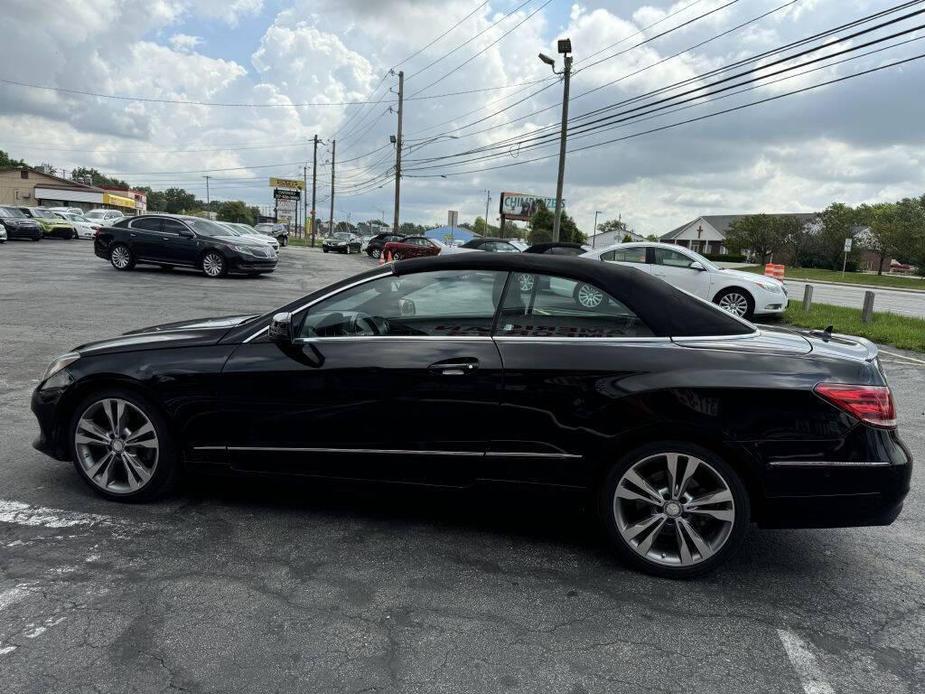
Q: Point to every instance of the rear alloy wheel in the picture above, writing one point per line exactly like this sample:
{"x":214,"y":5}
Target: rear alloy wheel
{"x":121,"y":257}
{"x":397,"y":255}
{"x":526,"y":282}
{"x":213,"y":264}
{"x":122,"y":448}
{"x":283,"y":240}
{"x":675,"y":510}
{"x":588,"y":296}
{"x":375,"y":253}
{"x":736,"y":301}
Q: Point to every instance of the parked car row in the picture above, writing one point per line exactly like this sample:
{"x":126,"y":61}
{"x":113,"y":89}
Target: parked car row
{"x":743,"y":294}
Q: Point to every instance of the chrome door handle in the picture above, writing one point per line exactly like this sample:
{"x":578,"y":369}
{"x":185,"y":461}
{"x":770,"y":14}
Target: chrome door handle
{"x":454,"y":368}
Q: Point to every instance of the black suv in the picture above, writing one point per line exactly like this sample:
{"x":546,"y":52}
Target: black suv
{"x":18,"y":226}
{"x":376,"y":243}
{"x":170,"y":240}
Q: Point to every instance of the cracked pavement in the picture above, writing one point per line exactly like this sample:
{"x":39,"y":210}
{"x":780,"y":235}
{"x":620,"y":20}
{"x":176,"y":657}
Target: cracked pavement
{"x":306,"y":587}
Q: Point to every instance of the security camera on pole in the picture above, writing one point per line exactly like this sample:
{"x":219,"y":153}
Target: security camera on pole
{"x":565,"y":48}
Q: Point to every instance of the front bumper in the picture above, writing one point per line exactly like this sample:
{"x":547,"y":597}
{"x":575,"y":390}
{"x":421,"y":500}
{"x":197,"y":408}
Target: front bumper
{"x":45,"y":406}
{"x":249,"y":264}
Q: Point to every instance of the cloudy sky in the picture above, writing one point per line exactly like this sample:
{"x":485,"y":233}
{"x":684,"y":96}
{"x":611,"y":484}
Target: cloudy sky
{"x":270,"y":74}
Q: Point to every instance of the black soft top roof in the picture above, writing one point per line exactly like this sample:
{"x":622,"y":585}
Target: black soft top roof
{"x":547,"y":245}
{"x":667,"y":311}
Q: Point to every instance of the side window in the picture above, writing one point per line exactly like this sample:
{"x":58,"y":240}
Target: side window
{"x":663,"y":256}
{"x":172,"y":226}
{"x":148,"y":223}
{"x":637,"y":254}
{"x":448,"y":303}
{"x":548,"y":306}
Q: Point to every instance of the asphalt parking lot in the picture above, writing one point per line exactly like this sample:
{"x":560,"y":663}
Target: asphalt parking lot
{"x":280,"y":587}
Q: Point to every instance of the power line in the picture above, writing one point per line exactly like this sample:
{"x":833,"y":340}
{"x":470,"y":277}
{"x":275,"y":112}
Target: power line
{"x":493,"y":43}
{"x":684,"y":122}
{"x":455,"y":26}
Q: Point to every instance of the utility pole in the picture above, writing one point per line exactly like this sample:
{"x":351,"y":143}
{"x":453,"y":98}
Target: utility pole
{"x":594,"y":232}
{"x":314,"y":184}
{"x":487,"y":203}
{"x":207,"y":190}
{"x":563,"y":137}
{"x":401,"y":97}
{"x":304,"y":201}
{"x":331,"y":218}
{"x":565,"y":49}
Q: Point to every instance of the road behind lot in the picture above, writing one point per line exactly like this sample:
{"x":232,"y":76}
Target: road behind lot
{"x":902,"y":303}
{"x":311,"y":588}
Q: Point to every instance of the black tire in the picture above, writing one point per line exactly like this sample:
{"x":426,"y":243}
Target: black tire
{"x":283,"y":240}
{"x":73,"y":236}
{"x":116,"y":257}
{"x":324,"y":250}
{"x":213,"y":265}
{"x":37,"y":239}
{"x":375,"y":253}
{"x":167,"y":468}
{"x":730,"y":542}
{"x":732,"y":297}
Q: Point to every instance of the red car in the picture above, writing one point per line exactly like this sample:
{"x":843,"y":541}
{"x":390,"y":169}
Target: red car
{"x":410,"y":247}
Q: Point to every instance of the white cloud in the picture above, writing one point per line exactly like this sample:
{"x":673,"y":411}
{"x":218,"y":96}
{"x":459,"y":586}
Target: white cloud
{"x":185,"y":42}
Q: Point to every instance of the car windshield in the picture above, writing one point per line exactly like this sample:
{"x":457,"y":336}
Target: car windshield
{"x":206,"y":227}
{"x":10,"y":212}
{"x":77,"y":217}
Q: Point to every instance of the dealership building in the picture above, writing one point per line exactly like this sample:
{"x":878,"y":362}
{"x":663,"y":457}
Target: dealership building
{"x":22,"y":186}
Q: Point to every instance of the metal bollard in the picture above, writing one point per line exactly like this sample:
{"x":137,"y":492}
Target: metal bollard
{"x":867,"y":313}
{"x":807,"y":297}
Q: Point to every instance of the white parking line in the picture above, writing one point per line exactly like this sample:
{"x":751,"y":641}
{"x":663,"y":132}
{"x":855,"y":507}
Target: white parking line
{"x":19,"y":513}
{"x":12,"y":595}
{"x":903,"y":356}
{"x":804,"y":662}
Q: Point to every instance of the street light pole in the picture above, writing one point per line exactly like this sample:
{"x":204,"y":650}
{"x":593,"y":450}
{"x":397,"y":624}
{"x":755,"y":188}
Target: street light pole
{"x":594,"y":233}
{"x":398,"y":145}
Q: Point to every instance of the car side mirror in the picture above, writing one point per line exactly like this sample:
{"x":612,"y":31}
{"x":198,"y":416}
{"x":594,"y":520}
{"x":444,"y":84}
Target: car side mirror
{"x":187,"y":234}
{"x":280,"y":330}
{"x":697,"y":265}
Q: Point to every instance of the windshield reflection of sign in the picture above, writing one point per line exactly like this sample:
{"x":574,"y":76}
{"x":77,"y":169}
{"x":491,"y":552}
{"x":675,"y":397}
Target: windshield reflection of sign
{"x":522,"y":206}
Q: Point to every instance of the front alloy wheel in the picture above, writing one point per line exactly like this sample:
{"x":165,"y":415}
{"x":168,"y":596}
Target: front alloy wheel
{"x":526,"y":282}
{"x":376,"y":253}
{"x":121,"y":257}
{"x":735,"y":302}
{"x":676,"y":512}
{"x":213,"y":264}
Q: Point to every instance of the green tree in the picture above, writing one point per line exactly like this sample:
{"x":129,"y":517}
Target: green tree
{"x":96,"y":178}
{"x":6,"y":162}
{"x":611,"y":225}
{"x":762,"y":234}
{"x":541,"y":226}
{"x":177,"y":200}
{"x":897,"y":230}
{"x":838,"y":222}
{"x":235,"y":211}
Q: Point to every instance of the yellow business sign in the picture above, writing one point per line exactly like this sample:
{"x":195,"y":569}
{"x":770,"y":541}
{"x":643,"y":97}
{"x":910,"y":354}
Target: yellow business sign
{"x":286,"y":183}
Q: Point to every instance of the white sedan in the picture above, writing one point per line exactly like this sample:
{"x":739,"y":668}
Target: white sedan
{"x":744,"y":294}
{"x":86,"y":228}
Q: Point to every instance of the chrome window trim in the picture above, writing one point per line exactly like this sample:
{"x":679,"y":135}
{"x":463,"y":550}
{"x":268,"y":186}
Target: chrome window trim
{"x":346,"y":338}
{"x":384,"y":451}
{"x":829,"y":463}
{"x":322,"y":298}
{"x":716,"y":338}
{"x":598,"y":340}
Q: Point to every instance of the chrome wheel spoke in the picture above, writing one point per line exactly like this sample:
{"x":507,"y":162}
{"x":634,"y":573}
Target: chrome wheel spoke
{"x":634,"y":530}
{"x":702,"y":547}
{"x":133,"y":437}
{"x":90,"y":432}
{"x":639,"y":482}
{"x":725,"y":515}
{"x":136,"y":474}
{"x":624,"y":492}
{"x":102,"y":466}
{"x":671,"y":460}
{"x":689,"y":468}
{"x":721,"y":497}
{"x":684,"y":552}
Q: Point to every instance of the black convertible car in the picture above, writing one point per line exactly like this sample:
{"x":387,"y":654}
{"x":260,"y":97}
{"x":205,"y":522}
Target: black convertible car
{"x":686,"y":424}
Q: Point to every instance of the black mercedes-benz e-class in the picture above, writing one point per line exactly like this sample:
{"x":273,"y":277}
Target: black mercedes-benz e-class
{"x":685,"y":423}
{"x":175,"y":240}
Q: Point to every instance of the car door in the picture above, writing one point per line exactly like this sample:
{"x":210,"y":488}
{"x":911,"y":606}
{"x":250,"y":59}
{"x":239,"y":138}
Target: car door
{"x":145,"y":238}
{"x":395,"y":378}
{"x":569,"y":374}
{"x":675,"y":268}
{"x":179,"y":244}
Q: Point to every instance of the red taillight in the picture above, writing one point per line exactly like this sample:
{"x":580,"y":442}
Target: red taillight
{"x":870,"y":404}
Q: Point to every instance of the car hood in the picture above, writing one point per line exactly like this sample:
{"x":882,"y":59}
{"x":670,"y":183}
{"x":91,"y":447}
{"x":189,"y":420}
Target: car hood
{"x":746,"y":276}
{"x":240,"y":240}
{"x":202,"y":331}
